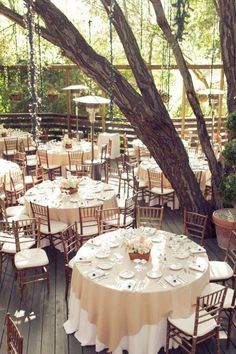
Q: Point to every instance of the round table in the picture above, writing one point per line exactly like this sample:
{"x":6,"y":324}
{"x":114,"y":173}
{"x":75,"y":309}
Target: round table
{"x":195,"y":163}
{"x":64,"y":207}
{"x":120,"y":304}
{"x":58,"y":154}
{"x":6,"y":167}
{"x":14,"y":134}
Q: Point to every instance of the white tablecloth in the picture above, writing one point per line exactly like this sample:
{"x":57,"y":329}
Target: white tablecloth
{"x":129,"y":312}
{"x":103,"y":138}
{"x":6,"y":167}
{"x":64,"y":207}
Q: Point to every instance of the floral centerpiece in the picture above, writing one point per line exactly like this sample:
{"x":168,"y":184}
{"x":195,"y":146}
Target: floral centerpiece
{"x":67,"y":142}
{"x":69,"y":185}
{"x":139,"y":247}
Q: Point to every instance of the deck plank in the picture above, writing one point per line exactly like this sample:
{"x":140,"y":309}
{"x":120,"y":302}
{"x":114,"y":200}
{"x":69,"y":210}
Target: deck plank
{"x":41,"y":317}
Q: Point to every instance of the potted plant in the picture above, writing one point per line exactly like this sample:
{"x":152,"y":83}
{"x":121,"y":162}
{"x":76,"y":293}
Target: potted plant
{"x":225,"y":219}
{"x":15,"y":92}
{"x":52,"y":94}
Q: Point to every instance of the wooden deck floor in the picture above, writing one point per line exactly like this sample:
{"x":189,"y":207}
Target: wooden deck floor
{"x":40,"y":317}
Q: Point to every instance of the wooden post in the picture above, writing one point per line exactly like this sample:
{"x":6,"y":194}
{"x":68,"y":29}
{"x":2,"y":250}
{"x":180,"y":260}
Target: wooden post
{"x":68,"y":99}
{"x":220,"y":103}
{"x":183,"y":111}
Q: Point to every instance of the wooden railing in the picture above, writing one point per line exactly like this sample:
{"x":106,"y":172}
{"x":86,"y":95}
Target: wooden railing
{"x":57,"y":125}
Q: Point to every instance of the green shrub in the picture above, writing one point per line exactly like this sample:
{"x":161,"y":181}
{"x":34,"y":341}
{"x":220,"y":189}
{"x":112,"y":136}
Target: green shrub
{"x":231,"y":122}
{"x":228,"y":188}
{"x":229,"y":152}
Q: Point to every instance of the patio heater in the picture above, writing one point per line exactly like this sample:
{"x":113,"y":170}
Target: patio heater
{"x":75,"y":89}
{"x":213,"y":99}
{"x":93,"y":104}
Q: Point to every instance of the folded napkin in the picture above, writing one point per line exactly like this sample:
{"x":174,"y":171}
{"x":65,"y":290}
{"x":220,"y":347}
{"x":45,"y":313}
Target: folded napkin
{"x":198,"y":250}
{"x":198,"y":267}
{"x":172,"y":280}
{"x":83,"y":259}
{"x":97,"y":273}
{"x":127,"y":285}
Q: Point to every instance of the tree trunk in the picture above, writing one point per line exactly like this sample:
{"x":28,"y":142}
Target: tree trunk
{"x":215,"y":167}
{"x":146,"y":111}
{"x":227,"y":13}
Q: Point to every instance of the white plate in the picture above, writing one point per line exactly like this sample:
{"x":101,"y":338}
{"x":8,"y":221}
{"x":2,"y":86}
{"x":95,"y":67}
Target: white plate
{"x":182,"y":237}
{"x":157,"y":239}
{"x":114,"y":244}
{"x":154,"y":274}
{"x":89,"y":198}
{"x":105,"y":266}
{"x":74,"y":200}
{"x":176,"y":266}
{"x":183,"y":255}
{"x":94,"y":242}
{"x":102,"y":255}
{"x":127,"y":274}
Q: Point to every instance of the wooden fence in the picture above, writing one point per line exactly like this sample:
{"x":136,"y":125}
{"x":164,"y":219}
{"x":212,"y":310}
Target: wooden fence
{"x":57,"y":125}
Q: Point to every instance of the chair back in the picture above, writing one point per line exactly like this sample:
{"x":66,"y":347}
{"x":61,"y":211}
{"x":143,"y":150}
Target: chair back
{"x":41,"y":214}
{"x":108,"y":219}
{"x":209,"y":308}
{"x":11,"y":145}
{"x":150,"y":216}
{"x":43,"y":158}
{"x":14,"y":338}
{"x":130,"y":209}
{"x":155,"y":179}
{"x":75,"y":158}
{"x":88,"y":221}
{"x":70,"y":242}
{"x":195,"y":225}
{"x":43,"y":135}
{"x":20,"y":159}
{"x":3,"y":210}
{"x":25,"y":231}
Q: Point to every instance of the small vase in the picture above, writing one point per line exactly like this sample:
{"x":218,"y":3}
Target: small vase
{"x":68,"y":146}
{"x":136,"y":255}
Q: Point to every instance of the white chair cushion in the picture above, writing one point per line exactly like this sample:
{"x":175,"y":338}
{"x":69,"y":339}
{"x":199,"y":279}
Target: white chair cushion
{"x":35,"y":257}
{"x":28,"y":179}
{"x":15,"y":210}
{"x":220,"y":270}
{"x":187,"y":325}
{"x":50,"y":166}
{"x":211,"y":287}
{"x":158,"y":190}
{"x":25,"y":243}
{"x":56,"y":227}
{"x":89,"y":228}
{"x":142,"y":183}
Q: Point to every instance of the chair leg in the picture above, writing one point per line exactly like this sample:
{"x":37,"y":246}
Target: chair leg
{"x":167,"y":337}
{"x":194,"y":346}
{"x":229,"y":327}
{"x":217,"y":342}
{"x":47,"y":275}
{"x":20,"y":276}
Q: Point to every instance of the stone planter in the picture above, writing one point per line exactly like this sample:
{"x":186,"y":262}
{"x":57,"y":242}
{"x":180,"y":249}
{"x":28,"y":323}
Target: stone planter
{"x":135,"y":255}
{"x":225,"y":222}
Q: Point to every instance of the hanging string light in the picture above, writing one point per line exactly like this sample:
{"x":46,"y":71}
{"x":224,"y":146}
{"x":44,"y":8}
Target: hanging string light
{"x":111,"y":84}
{"x":41,"y":76}
{"x":32,"y":70}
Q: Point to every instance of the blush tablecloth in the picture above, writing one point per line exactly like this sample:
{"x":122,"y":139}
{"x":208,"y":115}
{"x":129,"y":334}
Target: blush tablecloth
{"x":130,"y":314}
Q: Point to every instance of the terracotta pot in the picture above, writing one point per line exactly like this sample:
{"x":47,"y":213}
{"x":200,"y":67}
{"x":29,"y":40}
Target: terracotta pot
{"x":52,"y":97}
{"x":15,"y":97}
{"x":69,"y":190}
{"x":202,"y":98}
{"x":225,"y":222}
{"x":135,"y":255}
{"x":68,"y":146}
